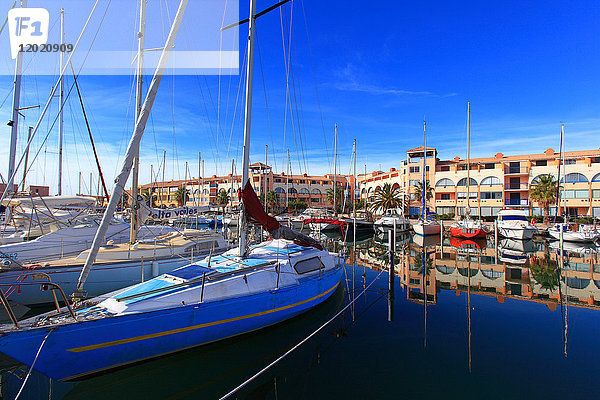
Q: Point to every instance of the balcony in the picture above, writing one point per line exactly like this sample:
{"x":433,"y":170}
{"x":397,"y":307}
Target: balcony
{"x":516,"y":170}
{"x":516,"y":186}
{"x":517,"y":202}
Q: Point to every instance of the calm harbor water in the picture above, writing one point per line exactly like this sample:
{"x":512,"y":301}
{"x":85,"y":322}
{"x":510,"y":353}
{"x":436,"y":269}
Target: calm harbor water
{"x":492,"y":326}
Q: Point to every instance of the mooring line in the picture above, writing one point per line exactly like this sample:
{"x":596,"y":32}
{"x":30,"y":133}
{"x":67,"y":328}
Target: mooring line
{"x":253,"y":377}
{"x":33,"y":363}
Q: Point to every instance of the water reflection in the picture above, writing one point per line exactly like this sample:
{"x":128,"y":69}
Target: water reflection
{"x":460,"y":310}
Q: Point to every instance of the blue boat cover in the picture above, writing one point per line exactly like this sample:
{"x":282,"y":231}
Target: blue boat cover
{"x":189,"y":272}
{"x":152,"y":284}
{"x":294,"y":248}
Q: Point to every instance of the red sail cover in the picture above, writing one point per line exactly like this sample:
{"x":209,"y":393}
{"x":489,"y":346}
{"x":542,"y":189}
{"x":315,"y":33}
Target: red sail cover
{"x":255,"y":214}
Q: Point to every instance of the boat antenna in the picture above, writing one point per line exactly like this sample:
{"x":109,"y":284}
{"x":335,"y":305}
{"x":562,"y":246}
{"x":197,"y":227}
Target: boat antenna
{"x":423,"y":189}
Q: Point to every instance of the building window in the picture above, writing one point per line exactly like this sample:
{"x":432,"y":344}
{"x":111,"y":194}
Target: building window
{"x":489,"y":166}
{"x":596,"y":193}
{"x":413,"y":170}
{"x":303,"y":191}
{"x":463,"y":182}
{"x":575,"y":194}
{"x":473,"y":195}
{"x":491,"y":195}
{"x":313,"y":182}
{"x":541,"y":163}
{"x":444,"y":182}
{"x":445,"y":196}
{"x":313,"y":200}
{"x":490,"y":180}
{"x":413,"y":182}
{"x":445,"y":168}
{"x":279,"y":190}
{"x":570,"y":162}
{"x":574,"y":178}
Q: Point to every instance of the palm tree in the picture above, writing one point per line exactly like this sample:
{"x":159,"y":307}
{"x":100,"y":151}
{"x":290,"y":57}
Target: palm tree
{"x":272,"y":200}
{"x":150,"y":198}
{"x":182,"y":196}
{"x":223,"y":198}
{"x":386,"y":198}
{"x":419,"y":191}
{"x":339,"y":198}
{"x":543,"y":191}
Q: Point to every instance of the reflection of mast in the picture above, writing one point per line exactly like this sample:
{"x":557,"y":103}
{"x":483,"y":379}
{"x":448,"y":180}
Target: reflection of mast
{"x":392,"y":246}
{"x":469,"y":304}
{"x":424,"y":258}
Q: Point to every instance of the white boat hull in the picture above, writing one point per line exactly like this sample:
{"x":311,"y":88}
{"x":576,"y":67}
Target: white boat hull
{"x":428,"y":228}
{"x":516,"y":232}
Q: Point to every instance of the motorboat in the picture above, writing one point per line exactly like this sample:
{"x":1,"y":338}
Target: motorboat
{"x":513,"y":224}
{"x":574,"y":232}
{"x":391,"y":218}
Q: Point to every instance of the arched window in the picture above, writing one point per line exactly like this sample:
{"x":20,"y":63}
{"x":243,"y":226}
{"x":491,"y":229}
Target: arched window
{"x":279,"y":190}
{"x":363,"y":190}
{"x":444,"y":182}
{"x":463,"y":182}
{"x":596,"y":178}
{"x":205,"y":191}
{"x":292,"y":190}
{"x":317,"y":191}
{"x":490,"y":180}
{"x":370,"y":190}
{"x":304,"y":191}
{"x":574,"y":177}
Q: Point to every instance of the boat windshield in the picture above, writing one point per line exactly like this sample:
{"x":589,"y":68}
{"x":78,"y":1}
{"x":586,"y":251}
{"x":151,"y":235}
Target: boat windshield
{"x":513,"y":218}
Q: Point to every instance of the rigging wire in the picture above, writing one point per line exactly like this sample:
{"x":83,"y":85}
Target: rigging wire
{"x":266,"y":102}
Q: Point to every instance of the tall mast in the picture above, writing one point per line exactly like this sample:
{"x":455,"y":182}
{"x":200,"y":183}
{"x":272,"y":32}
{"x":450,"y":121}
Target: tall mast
{"x":287,"y":181}
{"x":138,"y":109}
{"x":199,"y":188}
{"x":335,"y":172}
{"x":232,"y":177}
{"x":246,"y":154}
{"x":424,"y":187}
{"x":132,"y":148}
{"x":564,"y":203}
{"x":366,"y":191}
{"x":265,"y":174}
{"x":468,"y":209}
{"x":14,"y":122}
{"x":61,"y":97}
{"x":354,"y":184}
{"x":162,"y":184}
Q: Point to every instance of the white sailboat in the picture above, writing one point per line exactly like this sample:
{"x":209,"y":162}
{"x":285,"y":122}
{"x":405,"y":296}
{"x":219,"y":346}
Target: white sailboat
{"x":513,"y":224}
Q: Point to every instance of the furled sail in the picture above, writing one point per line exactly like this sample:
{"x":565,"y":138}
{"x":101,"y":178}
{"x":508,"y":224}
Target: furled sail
{"x":256,"y":215}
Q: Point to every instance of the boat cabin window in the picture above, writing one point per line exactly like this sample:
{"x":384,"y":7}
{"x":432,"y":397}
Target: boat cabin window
{"x":309,"y":265}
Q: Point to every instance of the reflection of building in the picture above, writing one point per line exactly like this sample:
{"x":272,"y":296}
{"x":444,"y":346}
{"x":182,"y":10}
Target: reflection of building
{"x":481,"y":272}
{"x":495,"y":182}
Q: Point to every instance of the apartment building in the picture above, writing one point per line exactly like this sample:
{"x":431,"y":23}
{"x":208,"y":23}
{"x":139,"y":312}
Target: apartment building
{"x":494,"y":182}
{"x":311,"y":189}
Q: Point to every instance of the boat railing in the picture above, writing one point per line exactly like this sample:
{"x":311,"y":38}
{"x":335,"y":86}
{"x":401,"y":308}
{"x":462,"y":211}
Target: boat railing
{"x":43,"y":286}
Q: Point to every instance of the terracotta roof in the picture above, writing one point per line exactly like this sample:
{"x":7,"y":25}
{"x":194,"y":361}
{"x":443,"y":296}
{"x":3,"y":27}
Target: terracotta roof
{"x":420,"y":148}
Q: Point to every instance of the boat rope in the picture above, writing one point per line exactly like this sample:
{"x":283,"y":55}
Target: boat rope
{"x":33,"y":363}
{"x":284,"y":355}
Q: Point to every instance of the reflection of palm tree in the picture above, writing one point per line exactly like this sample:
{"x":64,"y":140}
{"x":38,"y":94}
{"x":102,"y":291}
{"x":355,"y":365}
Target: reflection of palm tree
{"x":419,"y":264}
{"x":544,"y":271}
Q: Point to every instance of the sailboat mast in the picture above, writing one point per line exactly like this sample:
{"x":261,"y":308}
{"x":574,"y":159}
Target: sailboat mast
{"x":133,"y":146}
{"x":468,"y":157}
{"x":138,"y":108}
{"x":354,"y":184}
{"x":424,"y":188}
{"x":287,"y":181}
{"x":335,"y":172}
{"x":14,"y":122}
{"x":246,"y":153}
{"x":562,"y":135}
{"x":61,"y":97}
{"x":232,"y":177}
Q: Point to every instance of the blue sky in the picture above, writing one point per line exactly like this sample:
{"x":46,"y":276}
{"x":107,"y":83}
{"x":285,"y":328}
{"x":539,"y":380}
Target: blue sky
{"x":378,"y":71}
